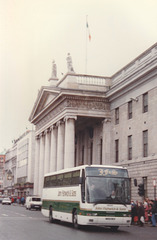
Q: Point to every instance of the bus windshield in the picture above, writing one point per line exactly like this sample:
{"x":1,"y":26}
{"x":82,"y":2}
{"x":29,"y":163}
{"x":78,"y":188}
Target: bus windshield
{"x":111,"y":190}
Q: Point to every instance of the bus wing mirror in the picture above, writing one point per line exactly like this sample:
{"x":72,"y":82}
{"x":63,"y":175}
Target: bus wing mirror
{"x":80,"y":180}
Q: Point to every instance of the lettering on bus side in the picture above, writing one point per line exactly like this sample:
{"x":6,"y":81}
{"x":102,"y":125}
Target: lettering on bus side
{"x":111,"y":208}
{"x":69,"y":193}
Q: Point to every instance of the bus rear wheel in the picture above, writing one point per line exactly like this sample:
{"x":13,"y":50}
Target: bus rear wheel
{"x":51,"y":215}
{"x":75,"y":220}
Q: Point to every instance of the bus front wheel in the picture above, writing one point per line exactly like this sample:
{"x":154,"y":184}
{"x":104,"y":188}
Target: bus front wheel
{"x":50,"y":215}
{"x":75,"y":220}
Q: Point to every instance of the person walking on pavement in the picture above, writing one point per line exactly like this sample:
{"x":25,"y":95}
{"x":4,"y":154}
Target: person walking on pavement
{"x":140,"y":211}
{"x":154,"y":211}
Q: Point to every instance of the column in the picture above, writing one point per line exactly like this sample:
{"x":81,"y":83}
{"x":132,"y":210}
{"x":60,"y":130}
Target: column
{"x":69,"y":141}
{"x":60,"y":145}
{"x":47,"y":152}
{"x":41,"y":164}
{"x":53,"y":154}
{"x":78,"y":146}
{"x":86,"y":147}
{"x":36,"y":165}
{"x":106,"y":153}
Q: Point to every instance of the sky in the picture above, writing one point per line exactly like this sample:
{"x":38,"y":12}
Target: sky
{"x":33,"y":33}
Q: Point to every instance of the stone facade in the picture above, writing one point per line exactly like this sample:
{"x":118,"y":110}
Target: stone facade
{"x":19,"y":166}
{"x":2,"y":164}
{"x":84,"y":119}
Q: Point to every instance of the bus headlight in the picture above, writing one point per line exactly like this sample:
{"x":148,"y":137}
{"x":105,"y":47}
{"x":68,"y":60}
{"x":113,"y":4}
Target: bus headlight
{"x":92,"y":214}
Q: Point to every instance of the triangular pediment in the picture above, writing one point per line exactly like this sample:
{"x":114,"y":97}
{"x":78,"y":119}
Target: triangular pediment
{"x":44,"y":99}
{"x":48,"y":99}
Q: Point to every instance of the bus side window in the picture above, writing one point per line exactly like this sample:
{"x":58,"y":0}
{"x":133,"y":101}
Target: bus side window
{"x":46,"y":182}
{"x":75,"y":177}
{"x":67,"y":179}
{"x":83,"y":186}
{"x":60,"y":180}
{"x":52,"y":181}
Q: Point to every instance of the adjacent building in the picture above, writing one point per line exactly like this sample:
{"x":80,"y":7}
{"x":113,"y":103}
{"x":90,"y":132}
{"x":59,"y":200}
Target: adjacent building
{"x":85,"y":119}
{"x":19,"y":166}
{"x":2,"y":163}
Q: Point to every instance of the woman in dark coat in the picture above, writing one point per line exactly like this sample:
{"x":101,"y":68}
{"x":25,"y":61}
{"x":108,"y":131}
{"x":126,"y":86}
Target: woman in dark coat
{"x":140,"y":212}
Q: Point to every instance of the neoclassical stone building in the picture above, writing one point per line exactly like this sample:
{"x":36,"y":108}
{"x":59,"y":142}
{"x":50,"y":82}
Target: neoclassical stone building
{"x":84,"y":119}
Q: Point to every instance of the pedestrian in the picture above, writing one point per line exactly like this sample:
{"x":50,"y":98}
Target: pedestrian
{"x":154,"y":211}
{"x":12,"y":200}
{"x":134,"y":217}
{"x":22,"y":200}
{"x":149,"y":211}
{"x":140,"y":211}
{"x":136,"y":213}
{"x":146,"y":209}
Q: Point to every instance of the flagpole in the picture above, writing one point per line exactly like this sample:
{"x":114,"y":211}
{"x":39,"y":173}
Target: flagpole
{"x":86,"y":46}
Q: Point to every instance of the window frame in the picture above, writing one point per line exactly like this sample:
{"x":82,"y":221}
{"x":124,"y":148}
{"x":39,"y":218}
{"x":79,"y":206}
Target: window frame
{"x":130,"y":147}
{"x":117,"y":150}
{"x":145,"y":102}
{"x":117,"y":115}
{"x":130,"y":110}
{"x":145,"y":143}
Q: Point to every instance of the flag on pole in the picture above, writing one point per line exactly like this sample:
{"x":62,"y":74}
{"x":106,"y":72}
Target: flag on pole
{"x":89,"y":35}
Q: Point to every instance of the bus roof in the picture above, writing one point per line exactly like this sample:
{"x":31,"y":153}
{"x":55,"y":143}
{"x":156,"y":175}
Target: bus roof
{"x":81,"y":167}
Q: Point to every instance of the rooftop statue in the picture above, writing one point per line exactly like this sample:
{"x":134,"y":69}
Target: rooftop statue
{"x":54,"y":70}
{"x":69,"y":63}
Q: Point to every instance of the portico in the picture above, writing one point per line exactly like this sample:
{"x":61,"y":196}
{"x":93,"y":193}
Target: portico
{"x":72,"y":118}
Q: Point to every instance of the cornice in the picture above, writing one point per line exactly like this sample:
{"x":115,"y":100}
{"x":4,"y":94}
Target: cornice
{"x":133,"y":74}
{"x":69,"y":101}
{"x":73,"y":106}
{"x":132,"y":81}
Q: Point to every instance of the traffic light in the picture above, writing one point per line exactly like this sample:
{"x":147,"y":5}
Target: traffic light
{"x":141,"y":189}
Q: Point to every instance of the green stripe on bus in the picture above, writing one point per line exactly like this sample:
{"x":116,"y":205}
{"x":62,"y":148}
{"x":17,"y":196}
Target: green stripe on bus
{"x":67,"y":207}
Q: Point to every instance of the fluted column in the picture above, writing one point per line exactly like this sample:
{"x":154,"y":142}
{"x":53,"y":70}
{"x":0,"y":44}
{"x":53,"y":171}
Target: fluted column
{"x":36,"y":165}
{"x":60,"y":145}
{"x":41,"y":163}
{"x":106,"y":153}
{"x":53,"y":156}
{"x":69,"y":141}
{"x":47,"y":152}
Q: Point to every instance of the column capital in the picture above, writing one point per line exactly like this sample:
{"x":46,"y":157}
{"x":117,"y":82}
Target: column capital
{"x":106,"y":120}
{"x":53,"y":127}
{"x":41,"y":134}
{"x":46,"y":131}
{"x":37,"y":137}
{"x":60,"y":122}
{"x":66,"y":118}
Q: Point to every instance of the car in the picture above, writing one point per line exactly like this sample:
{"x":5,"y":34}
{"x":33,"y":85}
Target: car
{"x":6,"y":201}
{"x":33,"y":202}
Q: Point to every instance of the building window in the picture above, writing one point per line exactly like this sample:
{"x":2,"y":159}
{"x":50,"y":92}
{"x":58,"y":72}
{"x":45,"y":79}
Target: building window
{"x":117,"y":115}
{"x":117,"y":150}
{"x":145,"y":143}
{"x":129,"y":147}
{"x":145,"y":186}
{"x":130,"y":110}
{"x":145,"y":102}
